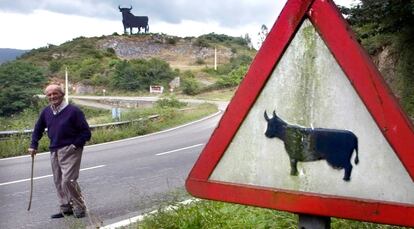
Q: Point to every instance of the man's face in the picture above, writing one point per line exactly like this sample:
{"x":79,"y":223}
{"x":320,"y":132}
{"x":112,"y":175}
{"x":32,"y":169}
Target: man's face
{"x":54,"y":96}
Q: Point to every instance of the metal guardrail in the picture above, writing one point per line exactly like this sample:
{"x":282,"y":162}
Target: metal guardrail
{"x":10,"y":133}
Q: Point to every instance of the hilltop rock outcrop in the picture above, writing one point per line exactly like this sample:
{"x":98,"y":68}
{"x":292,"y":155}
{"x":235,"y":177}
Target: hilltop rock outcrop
{"x":171,"y":49}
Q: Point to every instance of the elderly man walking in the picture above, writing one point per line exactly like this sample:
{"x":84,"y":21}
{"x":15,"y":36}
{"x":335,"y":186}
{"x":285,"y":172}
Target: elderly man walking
{"x":68,"y":132}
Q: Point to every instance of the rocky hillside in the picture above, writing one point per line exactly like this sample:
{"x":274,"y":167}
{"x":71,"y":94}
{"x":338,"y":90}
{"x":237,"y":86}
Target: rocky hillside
{"x":181,"y":53}
{"x":385,"y":60}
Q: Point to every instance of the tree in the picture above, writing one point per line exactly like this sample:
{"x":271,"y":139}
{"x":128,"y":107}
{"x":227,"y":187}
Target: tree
{"x":262,"y":35}
{"x":379,"y":23}
{"x":19,"y":83}
{"x":248,"y":40}
{"x":388,"y":23}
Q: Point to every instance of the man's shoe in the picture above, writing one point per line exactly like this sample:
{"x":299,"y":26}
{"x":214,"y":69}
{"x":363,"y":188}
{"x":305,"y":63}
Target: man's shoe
{"x":79,"y":213}
{"x":66,"y":208}
{"x":57,"y":215}
{"x":61,"y":214}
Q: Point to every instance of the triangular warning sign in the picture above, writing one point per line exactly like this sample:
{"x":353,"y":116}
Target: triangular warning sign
{"x":312,"y":106}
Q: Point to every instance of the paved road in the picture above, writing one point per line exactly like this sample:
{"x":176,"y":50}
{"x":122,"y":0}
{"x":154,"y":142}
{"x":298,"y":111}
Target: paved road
{"x":119,"y":179}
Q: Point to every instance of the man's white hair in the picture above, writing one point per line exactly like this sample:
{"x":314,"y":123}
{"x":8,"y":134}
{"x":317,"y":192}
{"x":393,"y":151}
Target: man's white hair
{"x":54,"y":86}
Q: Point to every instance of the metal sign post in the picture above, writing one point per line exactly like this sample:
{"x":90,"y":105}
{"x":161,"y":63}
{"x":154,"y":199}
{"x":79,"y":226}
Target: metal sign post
{"x":313,"y":222}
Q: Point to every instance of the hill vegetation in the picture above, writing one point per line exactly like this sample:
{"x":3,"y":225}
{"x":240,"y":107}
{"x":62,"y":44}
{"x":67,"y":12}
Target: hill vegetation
{"x":123,"y":64}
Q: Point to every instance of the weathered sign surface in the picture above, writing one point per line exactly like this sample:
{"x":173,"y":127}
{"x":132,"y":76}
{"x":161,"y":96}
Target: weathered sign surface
{"x":312,"y":129}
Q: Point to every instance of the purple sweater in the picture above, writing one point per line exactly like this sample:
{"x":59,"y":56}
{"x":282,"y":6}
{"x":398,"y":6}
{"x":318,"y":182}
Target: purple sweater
{"x":69,"y":126}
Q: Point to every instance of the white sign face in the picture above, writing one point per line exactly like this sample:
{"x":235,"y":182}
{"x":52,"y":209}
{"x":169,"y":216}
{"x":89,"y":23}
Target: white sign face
{"x":309,"y":89}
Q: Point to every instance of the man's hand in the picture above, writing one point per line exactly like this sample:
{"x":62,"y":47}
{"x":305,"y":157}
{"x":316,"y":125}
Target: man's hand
{"x":32,"y":151}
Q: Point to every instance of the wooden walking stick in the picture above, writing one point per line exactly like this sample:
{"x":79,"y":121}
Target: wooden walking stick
{"x":31,"y":184}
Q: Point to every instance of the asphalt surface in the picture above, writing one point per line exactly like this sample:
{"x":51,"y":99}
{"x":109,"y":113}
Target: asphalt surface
{"x":118,"y":179}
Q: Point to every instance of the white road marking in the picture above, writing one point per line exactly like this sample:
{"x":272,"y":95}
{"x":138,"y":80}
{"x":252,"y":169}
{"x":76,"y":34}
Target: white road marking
{"x":176,"y":150}
{"x":41,"y":177}
{"x":125,"y":223}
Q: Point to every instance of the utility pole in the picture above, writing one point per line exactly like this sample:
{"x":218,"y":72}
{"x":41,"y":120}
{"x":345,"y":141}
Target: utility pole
{"x":66,"y":86}
{"x":215,"y":58}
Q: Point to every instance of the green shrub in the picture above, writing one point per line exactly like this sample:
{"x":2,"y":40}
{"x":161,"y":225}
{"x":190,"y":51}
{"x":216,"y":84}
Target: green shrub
{"x":169,"y":102}
{"x":89,"y":67}
{"x":189,"y":84}
{"x":233,"y":79}
{"x":54,"y":66}
{"x":222,"y":38}
{"x":110,"y":52}
{"x":200,"y":61}
{"x":201,"y":42}
{"x":140,"y":74}
{"x":19,"y":83}
{"x":235,"y":62}
{"x":172,"y":40}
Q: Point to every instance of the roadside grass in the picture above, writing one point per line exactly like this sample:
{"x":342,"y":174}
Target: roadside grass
{"x":222,"y":94}
{"x":26,"y":119}
{"x":168,"y":117}
{"x":17,"y":146}
{"x":214,"y":214}
{"x":216,"y":95}
{"x":23,"y":121}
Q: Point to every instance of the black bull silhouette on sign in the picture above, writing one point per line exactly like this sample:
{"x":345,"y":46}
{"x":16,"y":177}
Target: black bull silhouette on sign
{"x":311,"y":144}
{"x":131,"y":21}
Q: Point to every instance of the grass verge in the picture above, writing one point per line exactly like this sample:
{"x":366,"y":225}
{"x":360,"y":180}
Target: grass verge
{"x":168,"y":117}
{"x":213,"y":214}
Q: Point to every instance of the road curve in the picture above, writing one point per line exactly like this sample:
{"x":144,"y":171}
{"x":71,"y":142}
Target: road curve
{"x":118,"y":179}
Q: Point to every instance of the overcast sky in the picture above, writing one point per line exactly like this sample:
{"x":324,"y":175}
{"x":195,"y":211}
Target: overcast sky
{"x":27,"y":24}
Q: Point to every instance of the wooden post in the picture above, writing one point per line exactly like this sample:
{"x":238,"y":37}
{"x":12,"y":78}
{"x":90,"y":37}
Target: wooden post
{"x":66,"y":85}
{"x":215,"y":58}
{"x":314,"y":222}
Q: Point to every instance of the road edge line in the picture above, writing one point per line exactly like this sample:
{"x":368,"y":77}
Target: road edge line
{"x":138,"y":218}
